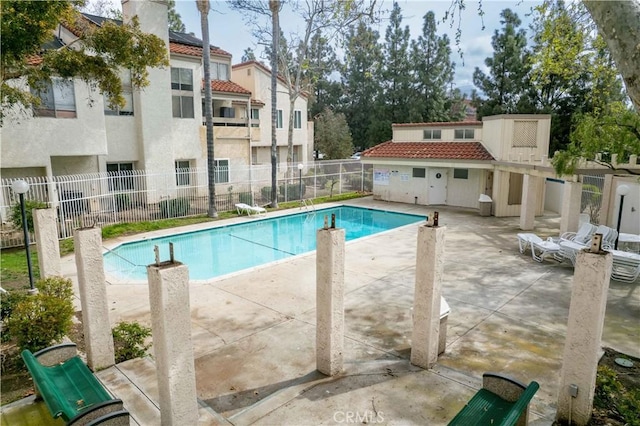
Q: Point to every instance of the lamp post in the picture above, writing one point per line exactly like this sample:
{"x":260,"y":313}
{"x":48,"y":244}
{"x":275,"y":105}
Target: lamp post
{"x":20,"y":187}
{"x":300,"y":167}
{"x":621,"y":190}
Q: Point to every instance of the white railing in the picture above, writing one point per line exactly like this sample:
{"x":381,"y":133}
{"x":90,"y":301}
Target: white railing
{"x":136,"y":196}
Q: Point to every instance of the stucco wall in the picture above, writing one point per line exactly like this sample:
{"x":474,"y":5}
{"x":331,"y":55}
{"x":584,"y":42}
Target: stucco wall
{"x":501,"y":208}
{"x":553,"y":195}
{"x":500,"y":131}
{"x":416,"y":134}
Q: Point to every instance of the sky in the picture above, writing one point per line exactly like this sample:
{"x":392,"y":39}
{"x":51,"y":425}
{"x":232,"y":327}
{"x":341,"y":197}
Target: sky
{"x":230,"y":32}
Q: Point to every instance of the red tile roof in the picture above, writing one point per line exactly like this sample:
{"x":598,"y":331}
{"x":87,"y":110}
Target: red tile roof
{"x":185,"y":49}
{"x":440,"y":124}
{"x":34,"y":60}
{"x":227,"y":86}
{"x":430,"y":150}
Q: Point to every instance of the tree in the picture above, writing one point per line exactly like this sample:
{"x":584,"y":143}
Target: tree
{"x":323,"y":62}
{"x":433,"y":70}
{"x":618,"y":23}
{"x":506,"y":87}
{"x":613,"y":130}
{"x":248,"y":55}
{"x":96,"y":57}
{"x":203,"y":8}
{"x":332,"y":135}
{"x":175,"y":20}
{"x":270,"y":8}
{"x":361,"y":82}
{"x":396,"y":70}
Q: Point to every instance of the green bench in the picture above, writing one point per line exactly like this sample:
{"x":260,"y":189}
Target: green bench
{"x":70,"y":390}
{"x":501,"y":401}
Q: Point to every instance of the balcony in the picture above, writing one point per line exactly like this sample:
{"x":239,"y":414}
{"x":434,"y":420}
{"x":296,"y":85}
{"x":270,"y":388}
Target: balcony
{"x":232,"y":122}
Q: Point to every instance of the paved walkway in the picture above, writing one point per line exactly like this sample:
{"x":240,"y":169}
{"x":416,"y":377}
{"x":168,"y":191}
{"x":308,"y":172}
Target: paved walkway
{"x":254,"y":332}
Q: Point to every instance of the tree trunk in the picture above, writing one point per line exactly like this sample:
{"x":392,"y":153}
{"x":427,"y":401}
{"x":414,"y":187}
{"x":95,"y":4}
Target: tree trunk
{"x":274,"y":6}
{"x":619,"y":24}
{"x":203,"y":8}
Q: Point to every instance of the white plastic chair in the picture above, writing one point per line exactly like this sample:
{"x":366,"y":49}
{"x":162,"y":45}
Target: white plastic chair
{"x":582,"y":236}
{"x":626,"y":266}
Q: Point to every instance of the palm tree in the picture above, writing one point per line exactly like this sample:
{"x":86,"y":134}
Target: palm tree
{"x":274,"y":6}
{"x":203,"y":8}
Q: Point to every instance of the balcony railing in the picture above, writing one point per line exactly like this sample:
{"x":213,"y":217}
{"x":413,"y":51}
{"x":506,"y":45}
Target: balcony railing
{"x":232,"y":122}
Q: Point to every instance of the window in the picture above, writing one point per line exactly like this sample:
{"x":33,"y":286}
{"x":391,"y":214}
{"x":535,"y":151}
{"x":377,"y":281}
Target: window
{"x":120,"y":176}
{"x":219,"y":71}
{"x":57,"y":99}
{"x":221,"y":171}
{"x":419,"y":173}
{"x":279,"y":120}
{"x":515,"y":188}
{"x":432,"y":134}
{"x":183,"y":171}
{"x":297,"y":119}
{"x":461,"y":173}
{"x":255,"y":114}
{"x":182,"y":92}
{"x":464,"y":133}
{"x":127,"y":94}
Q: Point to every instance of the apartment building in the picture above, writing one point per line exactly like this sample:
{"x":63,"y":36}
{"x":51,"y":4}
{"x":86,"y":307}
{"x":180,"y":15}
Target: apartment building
{"x":161,"y":128}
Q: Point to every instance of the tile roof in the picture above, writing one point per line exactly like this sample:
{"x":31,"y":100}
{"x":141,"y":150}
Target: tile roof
{"x":440,"y":124}
{"x":429,"y":150}
{"x":186,"y":49}
{"x":228,"y":87}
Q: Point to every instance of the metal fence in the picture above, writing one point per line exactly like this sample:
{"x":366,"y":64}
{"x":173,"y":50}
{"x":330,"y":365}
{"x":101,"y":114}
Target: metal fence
{"x":591,"y":201}
{"x":137,"y":196}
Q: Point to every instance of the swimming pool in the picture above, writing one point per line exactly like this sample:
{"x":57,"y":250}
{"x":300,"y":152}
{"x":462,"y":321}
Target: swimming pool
{"x":222,"y":250}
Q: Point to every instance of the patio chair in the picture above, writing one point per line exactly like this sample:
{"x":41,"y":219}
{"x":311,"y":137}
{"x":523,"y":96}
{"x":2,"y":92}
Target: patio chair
{"x":609,"y":236}
{"x":568,"y":251}
{"x":582,"y":236}
{"x":542,"y":248}
{"x":246,"y":208}
{"x":626,"y":266}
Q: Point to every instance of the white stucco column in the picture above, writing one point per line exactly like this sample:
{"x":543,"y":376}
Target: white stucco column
{"x":584,"y":330}
{"x":93,"y":298}
{"x":46,"y":230}
{"x":173,"y":349}
{"x":330,"y":300}
{"x":426,"y":299}
{"x":571,"y":200}
{"x":530,"y":188}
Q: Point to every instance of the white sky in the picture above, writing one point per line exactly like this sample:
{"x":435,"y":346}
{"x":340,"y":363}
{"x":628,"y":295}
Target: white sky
{"x":229,"y":31}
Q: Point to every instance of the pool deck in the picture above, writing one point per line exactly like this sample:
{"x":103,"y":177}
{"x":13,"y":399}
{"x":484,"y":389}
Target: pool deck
{"x":254,"y":332}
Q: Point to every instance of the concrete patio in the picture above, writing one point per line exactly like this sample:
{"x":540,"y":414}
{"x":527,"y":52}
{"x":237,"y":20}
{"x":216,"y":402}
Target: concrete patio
{"x":254,"y":332}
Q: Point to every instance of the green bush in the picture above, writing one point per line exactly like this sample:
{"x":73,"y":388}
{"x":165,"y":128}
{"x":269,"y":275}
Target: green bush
{"x":29,"y":205}
{"x":37,"y":321}
{"x":245,"y":197}
{"x":7,"y":304}
{"x":293,"y":191}
{"x":613,"y":396}
{"x":265,"y":191}
{"x":122,"y":202}
{"x":175,"y":207}
{"x":129,"y":340}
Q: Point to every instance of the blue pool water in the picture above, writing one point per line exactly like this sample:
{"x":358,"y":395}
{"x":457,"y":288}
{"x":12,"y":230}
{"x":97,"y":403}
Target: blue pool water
{"x":218,"y":251}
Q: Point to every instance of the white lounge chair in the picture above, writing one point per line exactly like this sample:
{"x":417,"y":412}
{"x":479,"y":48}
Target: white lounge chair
{"x":626,"y":266}
{"x":246,"y":208}
{"x":582,"y":236}
{"x":543,"y":248}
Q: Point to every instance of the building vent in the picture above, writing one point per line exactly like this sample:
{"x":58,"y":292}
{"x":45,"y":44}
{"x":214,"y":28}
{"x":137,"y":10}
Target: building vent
{"x":525,"y":133}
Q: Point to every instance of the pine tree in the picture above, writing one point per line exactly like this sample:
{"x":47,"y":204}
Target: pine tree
{"x":433,"y":73}
{"x":506,"y":87}
{"x":396,"y":71}
{"x":322,"y":64}
{"x":361,"y":80}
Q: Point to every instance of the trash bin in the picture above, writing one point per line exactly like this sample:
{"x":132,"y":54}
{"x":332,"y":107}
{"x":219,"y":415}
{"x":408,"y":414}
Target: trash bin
{"x":485,"y":205}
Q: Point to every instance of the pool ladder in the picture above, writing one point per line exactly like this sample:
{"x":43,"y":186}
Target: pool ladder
{"x":307,"y":204}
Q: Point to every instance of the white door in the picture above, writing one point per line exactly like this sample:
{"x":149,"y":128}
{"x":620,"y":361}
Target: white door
{"x":437,"y":186}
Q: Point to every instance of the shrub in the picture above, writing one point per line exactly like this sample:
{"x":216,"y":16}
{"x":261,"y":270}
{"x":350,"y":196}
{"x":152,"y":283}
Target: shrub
{"x":122,"y":202}
{"x":245,"y":197}
{"x":265,"y":191}
{"x":29,"y":205}
{"x":175,"y":207}
{"x":613,"y":396}
{"x":293,"y":191}
{"x":129,"y":340}
{"x":7,"y":304}
{"x":39,"y":320}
